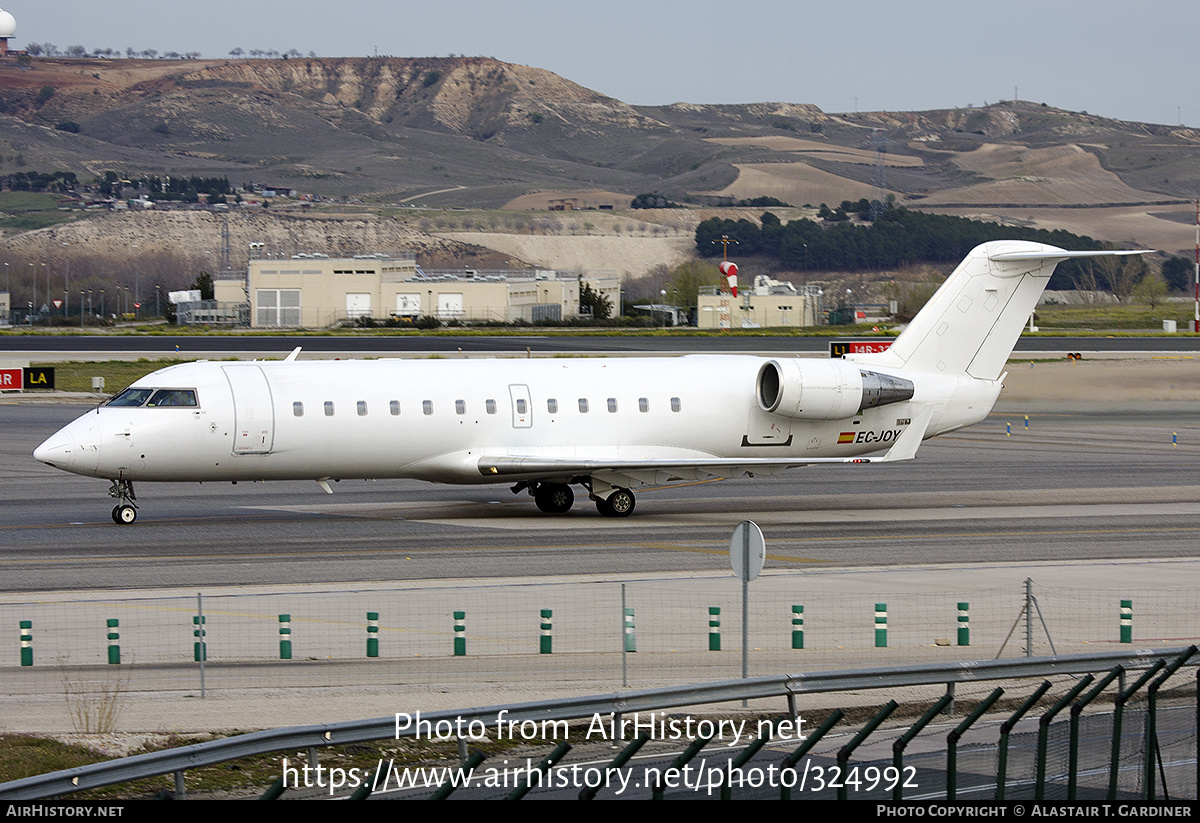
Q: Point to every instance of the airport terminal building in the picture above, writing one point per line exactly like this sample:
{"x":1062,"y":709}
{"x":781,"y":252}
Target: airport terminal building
{"x":314,"y":290}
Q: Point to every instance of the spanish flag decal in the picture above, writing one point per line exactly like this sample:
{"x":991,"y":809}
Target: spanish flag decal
{"x":845,"y":437}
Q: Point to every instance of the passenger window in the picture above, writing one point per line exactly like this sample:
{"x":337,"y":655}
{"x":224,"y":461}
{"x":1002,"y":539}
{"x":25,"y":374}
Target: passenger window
{"x":131,"y":397}
{"x":173,"y":397}
{"x":362,"y":408}
{"x":583,"y":405}
{"x":427,"y":406}
{"x":329,"y":408}
{"x":552,"y":406}
{"x":298,"y":409}
{"x":643,"y":404}
{"x":612,"y":404}
{"x":522,"y":406}
{"x":460,"y":407}
{"x":490,"y":405}
{"x":675,"y":404}
{"x":395,"y":407}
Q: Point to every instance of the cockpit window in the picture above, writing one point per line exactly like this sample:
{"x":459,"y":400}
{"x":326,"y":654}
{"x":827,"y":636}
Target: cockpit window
{"x":131,"y":397}
{"x":173,"y":397}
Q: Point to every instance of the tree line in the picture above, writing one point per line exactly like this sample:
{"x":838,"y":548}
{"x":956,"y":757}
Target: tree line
{"x":898,"y":237}
{"x":59,"y":181}
{"x":185,"y":189}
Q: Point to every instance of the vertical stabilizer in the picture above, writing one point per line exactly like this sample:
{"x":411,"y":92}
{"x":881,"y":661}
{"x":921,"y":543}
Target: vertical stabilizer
{"x":971,"y":324}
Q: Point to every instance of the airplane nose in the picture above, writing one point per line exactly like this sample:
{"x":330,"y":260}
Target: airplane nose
{"x":74,"y":448}
{"x":55,"y":451}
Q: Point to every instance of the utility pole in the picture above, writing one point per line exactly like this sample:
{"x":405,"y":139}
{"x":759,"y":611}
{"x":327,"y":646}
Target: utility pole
{"x":67,"y":284}
{"x":136,"y":277}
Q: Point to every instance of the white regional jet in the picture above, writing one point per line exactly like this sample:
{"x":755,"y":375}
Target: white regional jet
{"x":605,"y":424}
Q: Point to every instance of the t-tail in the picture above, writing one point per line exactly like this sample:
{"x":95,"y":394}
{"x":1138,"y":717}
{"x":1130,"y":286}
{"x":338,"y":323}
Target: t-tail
{"x":971,"y":324}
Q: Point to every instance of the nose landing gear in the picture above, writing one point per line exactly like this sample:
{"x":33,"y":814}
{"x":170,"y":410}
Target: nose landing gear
{"x":125,"y":512}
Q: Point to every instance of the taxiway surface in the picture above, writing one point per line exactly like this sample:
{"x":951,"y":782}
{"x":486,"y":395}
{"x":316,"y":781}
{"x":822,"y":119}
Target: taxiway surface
{"x":1082,"y":485}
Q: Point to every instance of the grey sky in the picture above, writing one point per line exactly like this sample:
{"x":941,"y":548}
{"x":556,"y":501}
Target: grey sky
{"x":1118,"y":59}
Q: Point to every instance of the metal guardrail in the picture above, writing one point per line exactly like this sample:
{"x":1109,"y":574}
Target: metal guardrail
{"x":787,"y":685}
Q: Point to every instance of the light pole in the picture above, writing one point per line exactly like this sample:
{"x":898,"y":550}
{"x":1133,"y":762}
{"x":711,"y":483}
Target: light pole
{"x":67,"y":284}
{"x":136,"y":277}
{"x":102,"y":302}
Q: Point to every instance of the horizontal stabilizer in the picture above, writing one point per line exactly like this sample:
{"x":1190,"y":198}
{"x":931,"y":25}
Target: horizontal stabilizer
{"x":1061,"y":254}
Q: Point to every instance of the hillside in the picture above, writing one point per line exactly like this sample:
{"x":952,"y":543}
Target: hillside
{"x":480,"y":133}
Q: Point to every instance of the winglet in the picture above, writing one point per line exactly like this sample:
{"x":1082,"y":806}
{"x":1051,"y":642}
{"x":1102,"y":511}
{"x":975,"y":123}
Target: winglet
{"x":295,"y":353}
{"x":905,"y":447}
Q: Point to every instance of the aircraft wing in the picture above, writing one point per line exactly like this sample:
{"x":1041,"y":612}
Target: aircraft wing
{"x":663,"y":470}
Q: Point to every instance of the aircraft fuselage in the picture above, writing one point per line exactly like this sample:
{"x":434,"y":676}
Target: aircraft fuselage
{"x":434,"y":419}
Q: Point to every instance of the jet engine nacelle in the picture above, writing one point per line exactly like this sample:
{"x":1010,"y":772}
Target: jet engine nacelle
{"x":825,"y":389}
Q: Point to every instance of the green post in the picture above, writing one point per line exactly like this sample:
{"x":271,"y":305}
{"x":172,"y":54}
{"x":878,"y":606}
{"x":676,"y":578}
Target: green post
{"x":26,"y":642}
{"x":200,"y":646}
{"x":544,"y":645}
{"x":964,"y":624}
{"x":114,"y":641}
{"x":630,"y":636}
{"x":797,"y":627}
{"x":1126,"y":621}
{"x":714,"y":628}
{"x":372,"y":634}
{"x":285,"y":637}
{"x":460,"y":634}
{"x":881,"y":618}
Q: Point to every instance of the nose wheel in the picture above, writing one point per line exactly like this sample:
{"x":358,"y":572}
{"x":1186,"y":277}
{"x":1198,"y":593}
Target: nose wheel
{"x":124,"y":515}
{"x":125,"y":512}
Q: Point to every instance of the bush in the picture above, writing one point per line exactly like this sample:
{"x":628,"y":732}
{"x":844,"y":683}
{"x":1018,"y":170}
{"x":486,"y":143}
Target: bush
{"x":68,"y":125}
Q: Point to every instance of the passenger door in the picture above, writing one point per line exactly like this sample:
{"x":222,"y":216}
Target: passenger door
{"x":253,"y":410}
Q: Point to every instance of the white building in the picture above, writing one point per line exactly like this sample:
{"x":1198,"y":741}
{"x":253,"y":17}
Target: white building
{"x":768,"y":303}
{"x":314,"y":290}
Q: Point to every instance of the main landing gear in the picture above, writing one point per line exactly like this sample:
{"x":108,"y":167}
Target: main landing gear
{"x":618,"y":504}
{"x":554,"y":498}
{"x":557,"y":498}
{"x":125,"y":512}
